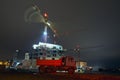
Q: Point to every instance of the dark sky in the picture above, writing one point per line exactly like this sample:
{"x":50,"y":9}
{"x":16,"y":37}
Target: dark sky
{"x":92,"y":24}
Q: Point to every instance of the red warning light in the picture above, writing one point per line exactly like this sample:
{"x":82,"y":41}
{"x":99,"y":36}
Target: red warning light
{"x":45,"y":15}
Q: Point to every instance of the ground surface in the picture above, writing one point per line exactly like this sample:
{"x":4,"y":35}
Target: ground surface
{"x":55,"y":76}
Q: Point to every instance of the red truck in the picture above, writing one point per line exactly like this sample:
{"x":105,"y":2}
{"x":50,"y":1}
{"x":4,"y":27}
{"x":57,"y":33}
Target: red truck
{"x":65,"y":63}
{"x":50,"y":58}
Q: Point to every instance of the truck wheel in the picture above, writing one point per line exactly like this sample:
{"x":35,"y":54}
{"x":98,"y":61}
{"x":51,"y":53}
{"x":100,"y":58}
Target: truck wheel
{"x":41,"y":69}
{"x":54,"y":70}
{"x":51,"y":70}
{"x":48,"y":70}
{"x":70,"y":71}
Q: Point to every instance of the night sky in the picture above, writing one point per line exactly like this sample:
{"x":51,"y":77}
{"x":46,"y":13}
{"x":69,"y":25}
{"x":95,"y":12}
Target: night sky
{"x":91,"y":24}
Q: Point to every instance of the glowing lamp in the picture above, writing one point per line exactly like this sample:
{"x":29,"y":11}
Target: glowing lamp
{"x":45,"y":15}
{"x":45,"y":33}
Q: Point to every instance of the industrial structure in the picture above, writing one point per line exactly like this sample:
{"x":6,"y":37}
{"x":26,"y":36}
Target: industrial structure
{"x":47,"y":57}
